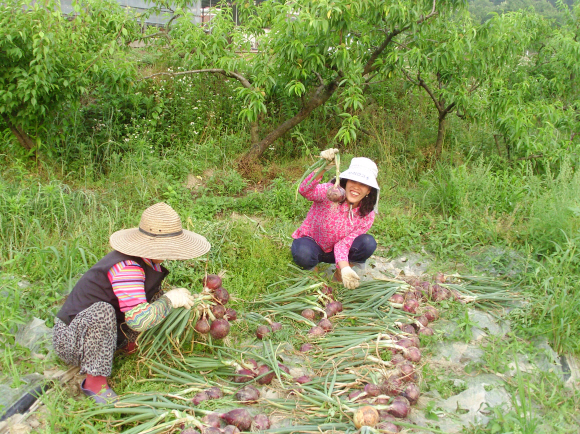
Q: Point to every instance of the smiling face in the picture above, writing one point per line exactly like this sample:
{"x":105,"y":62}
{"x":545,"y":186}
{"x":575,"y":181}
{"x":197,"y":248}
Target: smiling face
{"x":355,"y":192}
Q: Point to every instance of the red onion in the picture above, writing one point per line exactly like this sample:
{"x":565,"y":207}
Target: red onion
{"x":211,"y":430}
{"x":333,"y":308}
{"x":354,"y":395}
{"x":422,"y":320}
{"x":407,"y":328}
{"x":410,"y":295}
{"x":268,"y":375}
{"x":247,"y":394}
{"x":221,"y":295}
{"x":212,"y":419}
{"x":386,"y":416}
{"x":202,"y":326}
{"x":219,"y":329}
{"x":413,"y":354}
{"x":382,"y":400}
{"x":336,"y":194}
{"x":407,"y":371}
{"x":427,"y":331}
{"x":276,"y":326}
{"x":392,"y":386}
{"x":214,"y":392}
{"x":442,"y":294}
{"x":327,"y":290}
{"x":218,"y":311}
{"x":388,"y":428}
{"x":243,"y":376}
{"x":415,"y":340}
{"x":316,"y":331}
{"x":366,"y":416}
{"x":231,"y":429}
{"x":325,"y":324}
{"x":411,"y":305}
{"x":309,"y":314}
{"x":231,"y":314}
{"x":372,"y":389}
{"x":400,"y":407}
{"x":412,"y":393}
{"x":303,"y":379}
{"x":397,"y":358}
{"x":212,"y":281}
{"x":262,"y":332}
{"x":431,"y":313}
{"x":261,"y":422}
{"x":397,"y":299}
{"x":284,"y":368}
{"x":253,"y":363}
{"x":199,"y":398}
{"x":239,"y":417}
{"x":439,"y":277}
{"x":306,"y":347}
{"x":405,"y":343}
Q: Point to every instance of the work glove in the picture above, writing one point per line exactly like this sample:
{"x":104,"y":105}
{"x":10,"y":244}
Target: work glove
{"x":180,"y":297}
{"x":350,"y":279}
{"x":329,"y":154}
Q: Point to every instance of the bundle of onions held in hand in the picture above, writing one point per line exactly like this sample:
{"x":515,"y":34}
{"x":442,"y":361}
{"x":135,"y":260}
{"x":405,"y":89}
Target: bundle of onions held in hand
{"x":336,"y":193}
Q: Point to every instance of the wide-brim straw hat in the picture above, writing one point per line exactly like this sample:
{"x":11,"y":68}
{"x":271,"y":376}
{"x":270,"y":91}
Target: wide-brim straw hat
{"x":160,"y":235}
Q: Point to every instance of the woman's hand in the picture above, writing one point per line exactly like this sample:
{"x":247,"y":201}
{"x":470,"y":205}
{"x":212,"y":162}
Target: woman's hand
{"x":180,"y":297}
{"x":329,"y":154}
{"x":350,"y":279}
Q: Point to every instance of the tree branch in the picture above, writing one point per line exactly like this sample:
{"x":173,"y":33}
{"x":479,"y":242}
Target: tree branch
{"x":440,"y":109}
{"x":245,"y":82}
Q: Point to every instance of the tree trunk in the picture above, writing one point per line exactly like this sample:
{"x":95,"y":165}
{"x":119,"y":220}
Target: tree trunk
{"x":321,"y":95}
{"x":440,"y":135}
{"x":254,"y":133}
{"x":24,"y":139}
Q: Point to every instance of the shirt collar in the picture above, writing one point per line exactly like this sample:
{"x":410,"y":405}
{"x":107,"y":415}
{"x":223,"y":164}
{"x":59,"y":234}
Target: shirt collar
{"x":156,"y":267}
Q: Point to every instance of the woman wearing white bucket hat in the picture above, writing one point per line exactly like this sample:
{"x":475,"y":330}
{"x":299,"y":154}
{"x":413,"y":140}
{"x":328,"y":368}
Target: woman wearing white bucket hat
{"x":337,"y":233}
{"x":121,"y":296}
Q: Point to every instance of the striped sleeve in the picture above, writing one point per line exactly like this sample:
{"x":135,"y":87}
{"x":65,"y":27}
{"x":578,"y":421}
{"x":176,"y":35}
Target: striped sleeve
{"x":147,"y":315}
{"x":128,"y":281}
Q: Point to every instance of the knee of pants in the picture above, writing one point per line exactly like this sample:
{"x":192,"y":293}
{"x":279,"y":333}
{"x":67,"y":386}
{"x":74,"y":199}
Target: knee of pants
{"x":367,"y":245}
{"x":104,"y":315}
{"x":303,"y":255}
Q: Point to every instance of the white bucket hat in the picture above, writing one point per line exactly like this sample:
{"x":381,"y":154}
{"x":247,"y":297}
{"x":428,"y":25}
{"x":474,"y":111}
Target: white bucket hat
{"x":160,"y":236}
{"x":365,"y":171}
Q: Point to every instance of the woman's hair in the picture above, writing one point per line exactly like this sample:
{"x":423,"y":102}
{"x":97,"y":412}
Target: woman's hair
{"x":367,"y":204}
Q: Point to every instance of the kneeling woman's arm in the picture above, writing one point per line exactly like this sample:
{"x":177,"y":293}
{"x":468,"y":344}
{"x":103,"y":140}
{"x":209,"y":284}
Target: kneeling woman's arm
{"x":128,"y":281}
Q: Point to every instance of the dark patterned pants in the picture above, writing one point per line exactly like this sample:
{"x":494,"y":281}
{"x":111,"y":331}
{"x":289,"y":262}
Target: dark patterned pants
{"x":90,"y":340}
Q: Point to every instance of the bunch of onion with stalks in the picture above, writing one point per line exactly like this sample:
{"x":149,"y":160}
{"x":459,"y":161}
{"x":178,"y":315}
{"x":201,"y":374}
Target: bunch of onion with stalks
{"x":207,"y":316}
{"x":319,"y":166}
{"x":336,"y":193}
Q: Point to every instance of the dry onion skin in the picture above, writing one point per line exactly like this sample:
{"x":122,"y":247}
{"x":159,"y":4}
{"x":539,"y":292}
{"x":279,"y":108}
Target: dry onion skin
{"x":366,"y":416}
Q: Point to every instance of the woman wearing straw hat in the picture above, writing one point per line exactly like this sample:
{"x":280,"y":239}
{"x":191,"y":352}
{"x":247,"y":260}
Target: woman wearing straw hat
{"x":121,"y":296}
{"x":338,"y":234}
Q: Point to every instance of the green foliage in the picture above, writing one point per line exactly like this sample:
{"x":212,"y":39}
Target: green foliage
{"x":49,"y":61}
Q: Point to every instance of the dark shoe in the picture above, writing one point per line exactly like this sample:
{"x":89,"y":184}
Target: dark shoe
{"x":106,"y":396}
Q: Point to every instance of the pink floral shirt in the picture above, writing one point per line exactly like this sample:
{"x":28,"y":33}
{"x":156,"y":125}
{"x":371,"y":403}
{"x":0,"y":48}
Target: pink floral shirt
{"x":328,"y":223}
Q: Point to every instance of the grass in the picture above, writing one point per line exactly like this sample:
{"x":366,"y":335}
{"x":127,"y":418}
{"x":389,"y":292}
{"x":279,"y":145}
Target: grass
{"x":471,"y":215}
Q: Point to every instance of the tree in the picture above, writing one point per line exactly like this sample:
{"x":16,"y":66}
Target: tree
{"x":47,"y":59}
{"x":313,"y":49}
{"x":536,"y":108}
{"x":455,"y":62}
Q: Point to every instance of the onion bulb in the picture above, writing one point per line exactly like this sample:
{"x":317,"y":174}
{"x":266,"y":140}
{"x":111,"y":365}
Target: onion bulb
{"x":212,"y":281}
{"x":219,"y":329}
{"x":268,"y":375}
{"x":336,"y":194}
{"x":239,"y":417}
{"x":202,"y":326}
{"x":400,"y":407}
{"x":199,"y":398}
{"x":412,"y":393}
{"x":231,"y":429}
{"x":427,"y":331}
{"x":306,"y":347}
{"x":325,"y":324}
{"x":316,"y":331}
{"x":262,"y":331}
{"x":372,"y":389}
{"x":366,"y":416}
{"x":411,"y":305}
{"x":218,"y":311}
{"x":214,"y":392}
{"x":243,"y":376}
{"x":309,"y":314}
{"x":231,"y":314}
{"x":221,"y":295}
{"x":397,"y":298}
{"x":261,"y":422}
{"x":212,"y":419}
{"x":248,"y":394}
